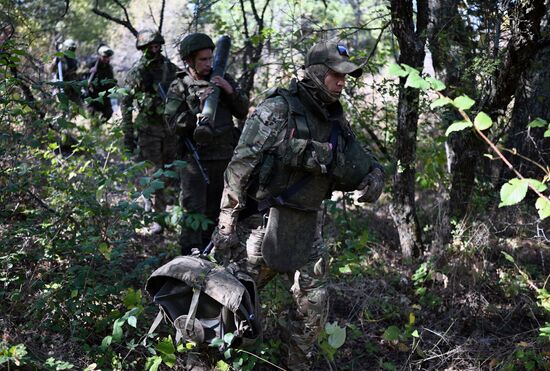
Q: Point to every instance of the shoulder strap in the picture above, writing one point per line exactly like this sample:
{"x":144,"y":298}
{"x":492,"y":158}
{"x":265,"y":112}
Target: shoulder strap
{"x":297,"y":122}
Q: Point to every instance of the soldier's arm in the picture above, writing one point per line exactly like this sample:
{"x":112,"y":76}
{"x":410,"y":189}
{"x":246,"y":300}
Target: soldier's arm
{"x":176,"y":111}
{"x":238,"y":101}
{"x":262,"y":131}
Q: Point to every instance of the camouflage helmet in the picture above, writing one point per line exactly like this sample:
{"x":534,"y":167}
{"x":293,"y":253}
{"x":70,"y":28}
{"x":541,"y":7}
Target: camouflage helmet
{"x":333,"y":55}
{"x":195,"y":42}
{"x":69,"y":44}
{"x":148,"y":37}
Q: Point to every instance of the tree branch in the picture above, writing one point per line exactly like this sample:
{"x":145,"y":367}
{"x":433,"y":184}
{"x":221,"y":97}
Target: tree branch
{"x":126,"y":23}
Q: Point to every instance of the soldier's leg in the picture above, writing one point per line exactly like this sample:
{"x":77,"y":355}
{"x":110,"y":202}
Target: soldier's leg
{"x":214,"y":191}
{"x":310,"y":294}
{"x":192,"y":199}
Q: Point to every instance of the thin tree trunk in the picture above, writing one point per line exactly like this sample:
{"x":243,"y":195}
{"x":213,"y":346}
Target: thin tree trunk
{"x":411,"y":39}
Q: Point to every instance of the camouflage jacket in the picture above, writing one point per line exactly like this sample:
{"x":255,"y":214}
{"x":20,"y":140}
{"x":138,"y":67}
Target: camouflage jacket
{"x":183,"y":105}
{"x":146,"y":84}
{"x":272,"y":156}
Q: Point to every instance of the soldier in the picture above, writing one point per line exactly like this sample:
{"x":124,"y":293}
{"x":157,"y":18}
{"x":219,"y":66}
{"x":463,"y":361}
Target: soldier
{"x":296,"y":148}
{"x":100,"y":79}
{"x":146,"y":83}
{"x":65,"y":69}
{"x":185,"y":100}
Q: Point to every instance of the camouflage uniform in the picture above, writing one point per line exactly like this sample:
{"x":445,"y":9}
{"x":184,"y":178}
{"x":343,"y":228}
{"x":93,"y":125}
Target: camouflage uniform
{"x":156,"y":144}
{"x":273,"y":154}
{"x":181,"y":111}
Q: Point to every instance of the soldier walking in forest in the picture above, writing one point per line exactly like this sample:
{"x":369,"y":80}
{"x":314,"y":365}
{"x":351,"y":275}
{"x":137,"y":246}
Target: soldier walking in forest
{"x":202,"y":179}
{"x":146,"y":84}
{"x":66,"y":70}
{"x":295,"y":149}
{"x":100,"y":80}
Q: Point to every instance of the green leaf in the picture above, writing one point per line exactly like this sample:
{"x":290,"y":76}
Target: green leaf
{"x":222,"y":366}
{"x":537,"y":123}
{"x":396,"y":70}
{"x":228,"y":338}
{"x":105,"y":250}
{"x":338,"y":338}
{"x":117,"y":329}
{"x":538,"y":185}
{"x":547,"y":133}
{"x":392,"y":333}
{"x":483,"y":121}
{"x":436,"y":84}
{"x":330,"y":328}
{"x":153,"y":363}
{"x":416,"y":81}
{"x":107,"y":340}
{"x":227,"y":353}
{"x":345,"y":269}
{"x":458,"y":126}
{"x":508,"y":257}
{"x":132,"y":321}
{"x":463,"y":102}
{"x":543,"y":206}
{"x":216,"y":343}
{"x":169,"y":359}
{"x":513,"y":192}
{"x":440,"y":102}
{"x":166,"y":346}
{"x":415,"y":334}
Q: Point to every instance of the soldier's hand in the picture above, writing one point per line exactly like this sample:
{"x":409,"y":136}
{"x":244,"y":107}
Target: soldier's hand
{"x":222,"y":83}
{"x":224,"y":239}
{"x":371,"y":186}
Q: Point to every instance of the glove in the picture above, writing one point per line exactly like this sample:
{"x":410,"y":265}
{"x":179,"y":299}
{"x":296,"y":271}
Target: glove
{"x":371,"y":186}
{"x":224,"y":239}
{"x":203,"y":133}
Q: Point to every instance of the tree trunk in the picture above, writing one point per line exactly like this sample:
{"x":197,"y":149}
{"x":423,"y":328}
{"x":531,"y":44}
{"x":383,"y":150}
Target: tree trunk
{"x":532,"y":100}
{"x":411,"y":39}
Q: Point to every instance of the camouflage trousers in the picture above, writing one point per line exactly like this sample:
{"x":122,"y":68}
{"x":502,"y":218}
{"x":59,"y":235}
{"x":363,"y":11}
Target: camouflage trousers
{"x":160,"y":151}
{"x":198,"y":197}
{"x":307,"y":285}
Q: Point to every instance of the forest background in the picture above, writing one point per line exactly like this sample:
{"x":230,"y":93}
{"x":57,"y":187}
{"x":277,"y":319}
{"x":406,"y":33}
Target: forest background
{"x":447,"y":271}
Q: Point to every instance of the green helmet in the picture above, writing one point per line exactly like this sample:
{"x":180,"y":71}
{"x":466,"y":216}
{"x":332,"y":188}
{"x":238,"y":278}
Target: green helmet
{"x":195,"y":42}
{"x":148,"y":37}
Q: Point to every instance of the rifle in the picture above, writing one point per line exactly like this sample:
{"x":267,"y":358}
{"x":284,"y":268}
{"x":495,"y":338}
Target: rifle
{"x":190,"y":147}
{"x":218,"y":69}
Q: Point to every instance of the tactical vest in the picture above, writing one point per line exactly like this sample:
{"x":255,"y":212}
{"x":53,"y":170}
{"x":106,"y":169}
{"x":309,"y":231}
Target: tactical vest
{"x":285,"y":168}
{"x":300,"y":173}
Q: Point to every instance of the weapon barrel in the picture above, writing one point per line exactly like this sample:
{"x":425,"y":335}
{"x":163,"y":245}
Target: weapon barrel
{"x":221,"y":56}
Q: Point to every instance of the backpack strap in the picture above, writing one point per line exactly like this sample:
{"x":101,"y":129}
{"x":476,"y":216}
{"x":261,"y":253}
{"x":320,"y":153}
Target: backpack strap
{"x":155,"y":324}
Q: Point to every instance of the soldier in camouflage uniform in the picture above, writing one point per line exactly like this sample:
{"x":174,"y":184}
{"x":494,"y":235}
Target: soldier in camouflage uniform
{"x":146,"y":83}
{"x":101,"y":78}
{"x":185,"y":100}
{"x":295,"y":149}
{"x":69,"y":68}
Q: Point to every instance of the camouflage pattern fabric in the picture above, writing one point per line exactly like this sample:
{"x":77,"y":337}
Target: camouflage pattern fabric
{"x":265,"y":137}
{"x":181,"y":111}
{"x":144,"y":84}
